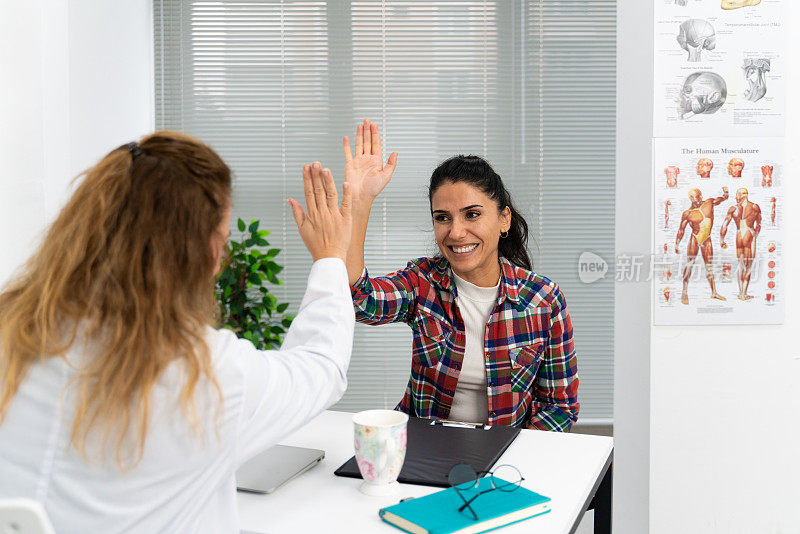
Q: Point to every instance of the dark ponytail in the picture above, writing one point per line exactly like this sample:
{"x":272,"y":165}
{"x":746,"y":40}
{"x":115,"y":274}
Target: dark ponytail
{"x":477,"y":172}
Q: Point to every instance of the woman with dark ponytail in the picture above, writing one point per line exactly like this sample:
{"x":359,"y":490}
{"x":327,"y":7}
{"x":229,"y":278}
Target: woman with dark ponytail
{"x":492,"y":339}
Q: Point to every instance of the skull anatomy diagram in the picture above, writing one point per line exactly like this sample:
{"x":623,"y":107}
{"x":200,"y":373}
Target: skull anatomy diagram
{"x":696,"y":35}
{"x":702,"y":93}
{"x":754,"y":70}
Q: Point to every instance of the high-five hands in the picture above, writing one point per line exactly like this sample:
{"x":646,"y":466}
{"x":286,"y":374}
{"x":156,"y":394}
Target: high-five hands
{"x":325,"y":227}
{"x":365,"y":171}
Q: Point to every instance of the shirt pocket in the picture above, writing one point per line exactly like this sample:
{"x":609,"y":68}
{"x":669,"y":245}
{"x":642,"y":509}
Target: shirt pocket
{"x":525,"y":362}
{"x":430,"y":339}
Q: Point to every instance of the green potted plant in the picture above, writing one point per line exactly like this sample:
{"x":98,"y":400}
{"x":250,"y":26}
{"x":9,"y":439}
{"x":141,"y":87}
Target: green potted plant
{"x":245,"y":304}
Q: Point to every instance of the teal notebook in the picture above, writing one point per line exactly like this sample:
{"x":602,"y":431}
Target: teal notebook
{"x":438,"y":513}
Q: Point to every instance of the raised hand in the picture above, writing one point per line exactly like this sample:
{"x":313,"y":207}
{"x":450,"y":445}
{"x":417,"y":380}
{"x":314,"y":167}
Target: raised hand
{"x":325,"y":227}
{"x":365,"y":171}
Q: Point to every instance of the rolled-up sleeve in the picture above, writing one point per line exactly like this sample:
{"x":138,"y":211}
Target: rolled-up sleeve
{"x":555,"y":404}
{"x":386,"y":299}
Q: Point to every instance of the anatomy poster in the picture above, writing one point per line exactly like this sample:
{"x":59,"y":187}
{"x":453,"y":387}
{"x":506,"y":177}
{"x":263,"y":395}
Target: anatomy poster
{"x":719,"y":212}
{"x":720,"y":68}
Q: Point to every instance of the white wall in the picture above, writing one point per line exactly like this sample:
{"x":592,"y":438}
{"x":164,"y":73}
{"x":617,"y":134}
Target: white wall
{"x":79,"y":81}
{"x":631,"y":306}
{"x":722,"y":403}
{"x":725,"y":404}
{"x":21,"y":142}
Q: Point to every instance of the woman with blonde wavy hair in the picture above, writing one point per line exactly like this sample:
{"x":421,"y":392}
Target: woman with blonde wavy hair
{"x":121,"y":408}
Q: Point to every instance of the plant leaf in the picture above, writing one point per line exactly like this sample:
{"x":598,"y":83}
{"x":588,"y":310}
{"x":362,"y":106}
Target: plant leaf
{"x":240,"y":224}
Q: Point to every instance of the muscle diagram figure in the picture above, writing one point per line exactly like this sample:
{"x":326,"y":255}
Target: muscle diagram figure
{"x":772,"y":211}
{"x":696,"y":35}
{"x":666,"y":294}
{"x":735,"y":167}
{"x":667,"y":204}
{"x":736,"y":4}
{"x":754,"y":70}
{"x":766,"y":175}
{"x":703,"y":93}
{"x":704,"y":166}
{"x":700,"y":218}
{"x":726,"y":271}
{"x":747,"y":217}
{"x":672,"y":173}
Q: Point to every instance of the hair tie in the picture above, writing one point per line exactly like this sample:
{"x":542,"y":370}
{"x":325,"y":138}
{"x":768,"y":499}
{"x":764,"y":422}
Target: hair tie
{"x":134,"y":149}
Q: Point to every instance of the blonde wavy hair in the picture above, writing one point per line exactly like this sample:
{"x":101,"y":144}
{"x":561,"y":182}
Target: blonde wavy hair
{"x":129,"y":262}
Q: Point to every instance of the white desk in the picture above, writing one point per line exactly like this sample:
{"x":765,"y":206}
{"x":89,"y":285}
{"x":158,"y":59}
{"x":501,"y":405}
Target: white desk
{"x":565,"y":467}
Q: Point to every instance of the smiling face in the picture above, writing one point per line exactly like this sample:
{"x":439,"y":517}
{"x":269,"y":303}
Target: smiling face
{"x":467,"y":225}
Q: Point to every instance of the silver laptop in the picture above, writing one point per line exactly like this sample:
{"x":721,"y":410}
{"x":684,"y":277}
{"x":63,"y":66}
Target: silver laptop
{"x":276,"y":466}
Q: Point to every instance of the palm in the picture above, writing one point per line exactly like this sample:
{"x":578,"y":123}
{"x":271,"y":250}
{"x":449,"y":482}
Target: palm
{"x":365,"y":172}
{"x":367,"y":175}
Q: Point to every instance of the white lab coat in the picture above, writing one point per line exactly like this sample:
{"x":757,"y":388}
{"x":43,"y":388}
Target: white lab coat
{"x":184,"y":482}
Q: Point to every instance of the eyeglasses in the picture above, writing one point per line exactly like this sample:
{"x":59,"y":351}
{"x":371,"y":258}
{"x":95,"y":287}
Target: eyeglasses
{"x":463,"y":477}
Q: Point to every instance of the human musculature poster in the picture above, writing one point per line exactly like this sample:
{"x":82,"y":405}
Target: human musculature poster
{"x":720,"y":68}
{"x":718,"y":240}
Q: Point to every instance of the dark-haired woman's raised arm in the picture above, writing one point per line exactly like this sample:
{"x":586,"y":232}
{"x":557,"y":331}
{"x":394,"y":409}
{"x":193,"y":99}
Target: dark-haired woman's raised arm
{"x":366,"y":176}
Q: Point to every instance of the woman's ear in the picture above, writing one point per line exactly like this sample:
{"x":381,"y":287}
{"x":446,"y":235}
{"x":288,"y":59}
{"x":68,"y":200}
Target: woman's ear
{"x":505,"y":216}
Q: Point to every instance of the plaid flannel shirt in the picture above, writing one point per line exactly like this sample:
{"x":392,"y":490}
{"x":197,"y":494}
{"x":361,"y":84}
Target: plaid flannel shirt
{"x":531,"y":368}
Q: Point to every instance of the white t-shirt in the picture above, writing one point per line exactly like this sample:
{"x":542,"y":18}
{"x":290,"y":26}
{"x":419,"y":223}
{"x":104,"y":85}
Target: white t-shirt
{"x":470,"y":402}
{"x":184,"y":482}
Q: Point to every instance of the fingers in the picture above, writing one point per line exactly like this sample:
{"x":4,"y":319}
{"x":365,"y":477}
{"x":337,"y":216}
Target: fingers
{"x":391,"y":165}
{"x":367,"y":137}
{"x":347,"y":200}
{"x":348,"y":155}
{"x":297,"y":211}
{"x":320,"y":200}
{"x":308,"y":189}
{"x":330,"y":190}
{"x":359,"y":140}
{"x":375,"y":135}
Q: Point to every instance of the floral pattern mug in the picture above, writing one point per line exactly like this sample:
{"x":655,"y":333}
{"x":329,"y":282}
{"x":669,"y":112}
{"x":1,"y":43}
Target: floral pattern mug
{"x":380,"y":443}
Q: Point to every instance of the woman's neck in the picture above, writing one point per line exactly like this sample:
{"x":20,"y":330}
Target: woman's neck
{"x":487,"y":276}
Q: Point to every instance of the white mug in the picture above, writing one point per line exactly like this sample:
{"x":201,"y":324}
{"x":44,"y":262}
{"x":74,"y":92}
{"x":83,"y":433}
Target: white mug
{"x":380,"y":444}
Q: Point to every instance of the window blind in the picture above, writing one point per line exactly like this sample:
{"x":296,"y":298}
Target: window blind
{"x":273,"y":85}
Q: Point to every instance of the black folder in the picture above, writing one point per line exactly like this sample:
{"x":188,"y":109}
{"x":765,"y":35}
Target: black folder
{"x":434,"y":447}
